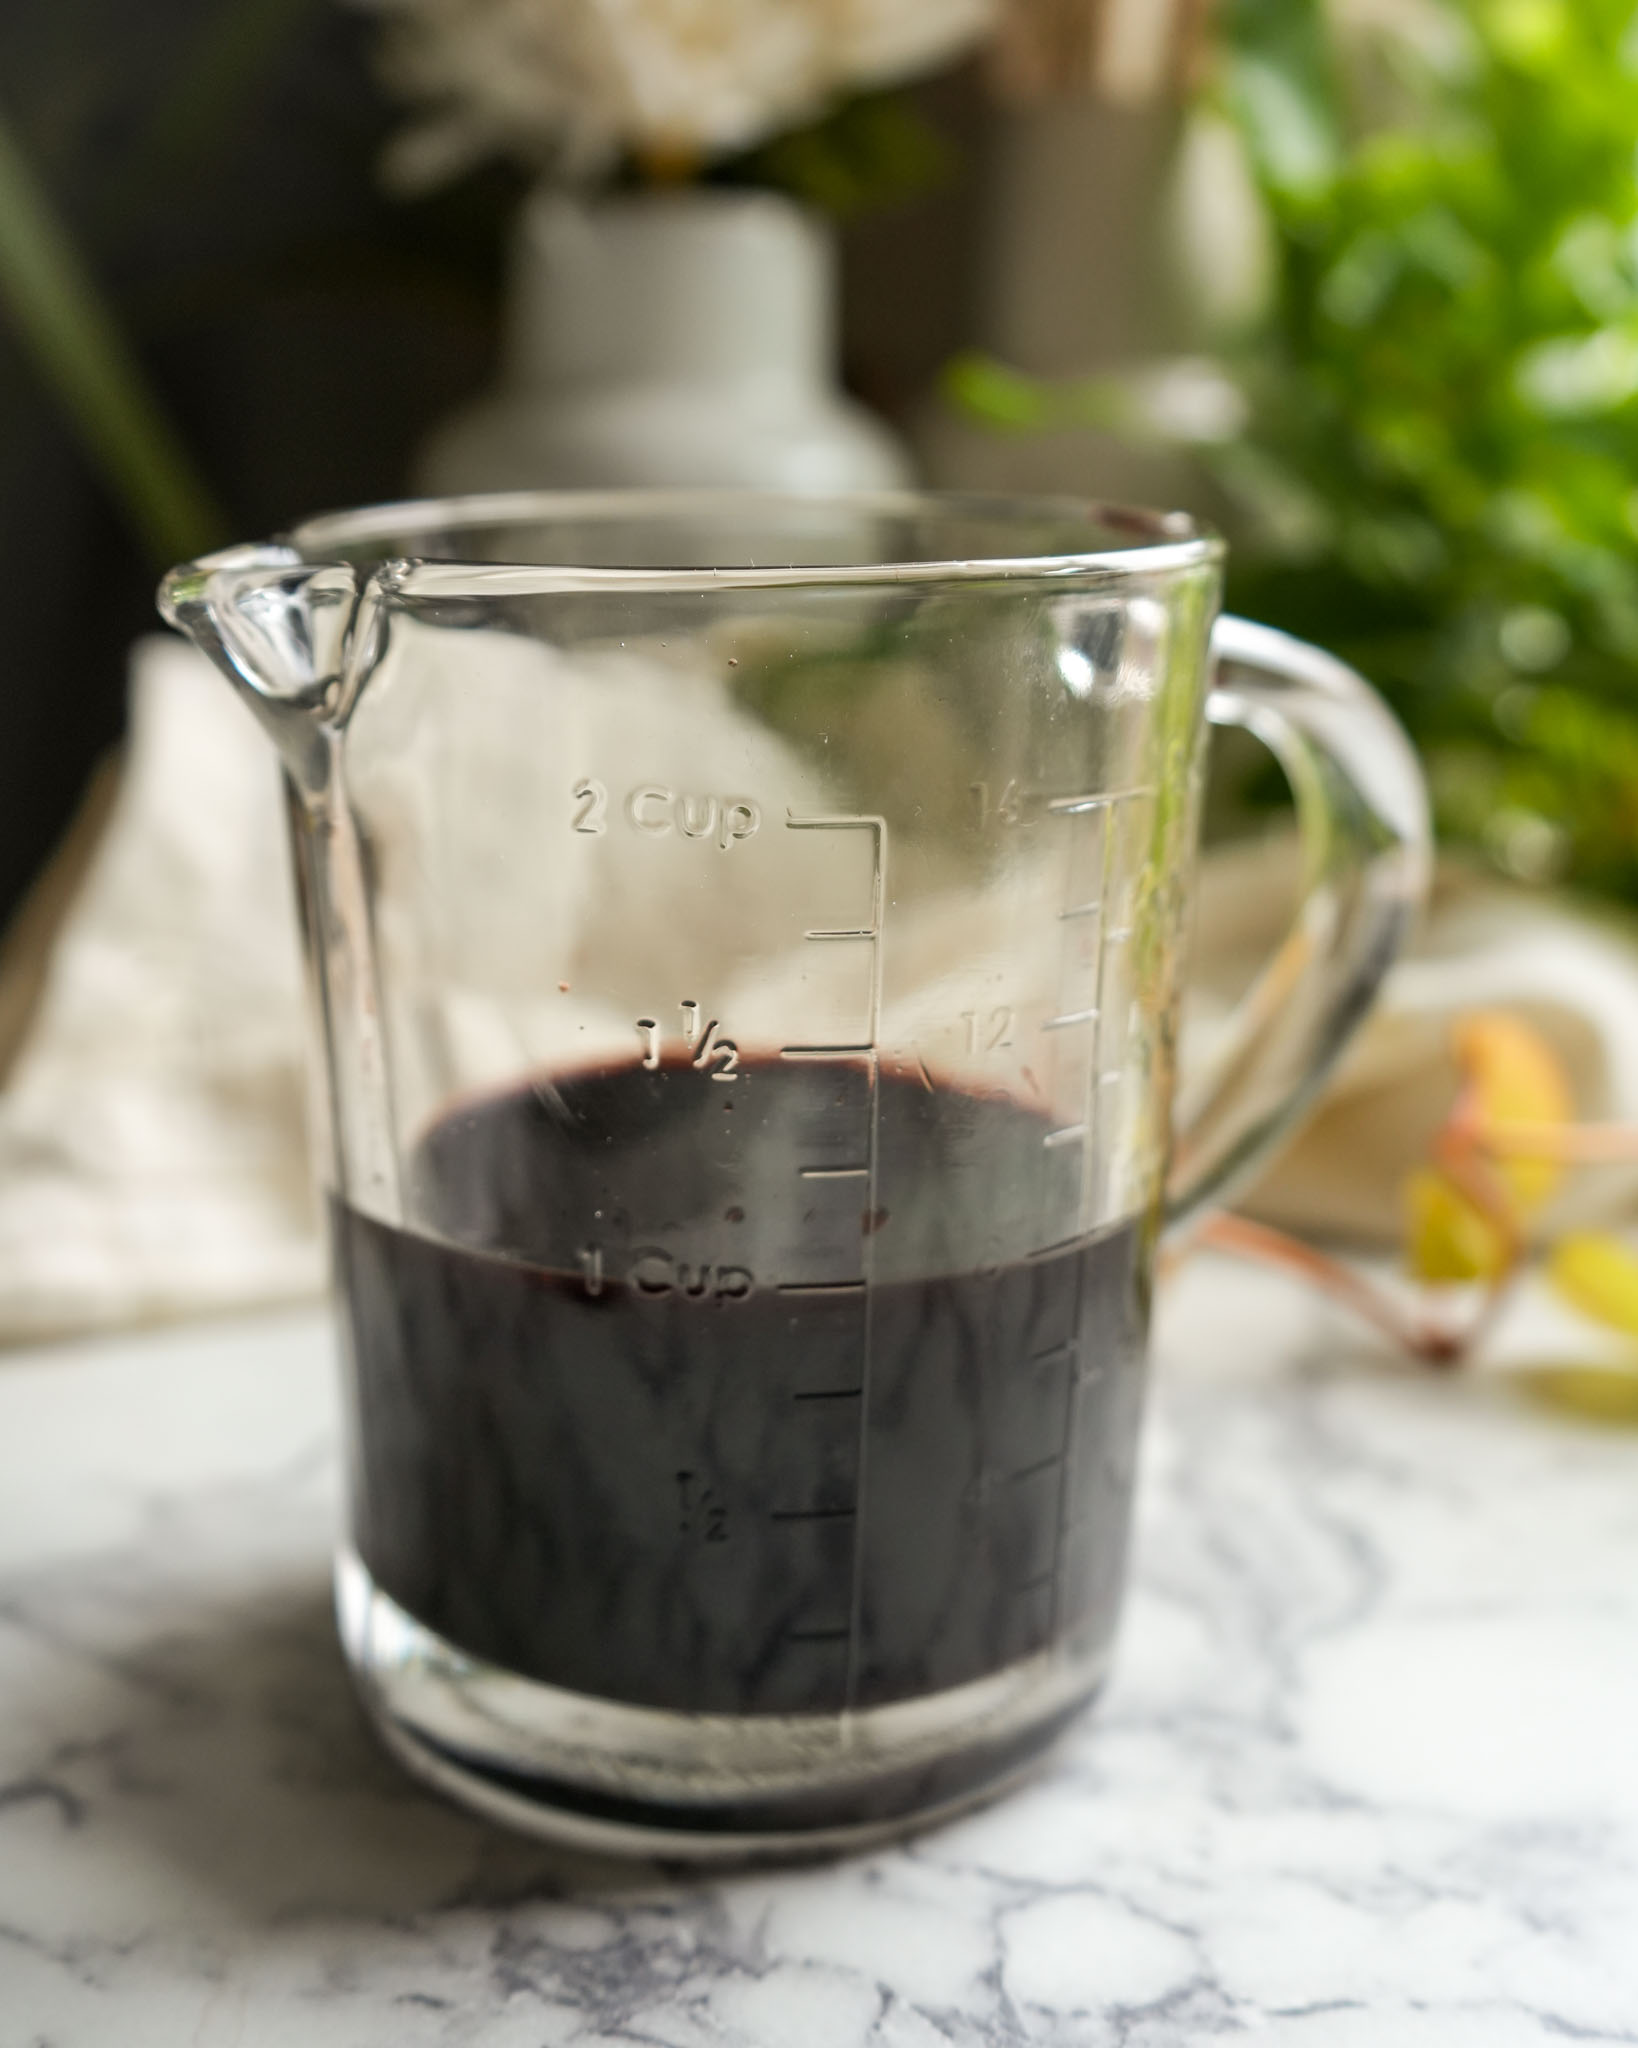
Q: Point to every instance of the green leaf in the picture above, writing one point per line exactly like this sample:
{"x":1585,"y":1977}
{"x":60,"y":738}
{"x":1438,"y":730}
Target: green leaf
{"x":995,"y":395}
{"x":1289,"y":129}
{"x":80,"y":353}
{"x":874,"y":150}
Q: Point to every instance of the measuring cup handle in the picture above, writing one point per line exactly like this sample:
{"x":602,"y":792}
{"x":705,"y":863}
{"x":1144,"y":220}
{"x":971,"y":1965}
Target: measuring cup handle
{"x":1366,"y":845}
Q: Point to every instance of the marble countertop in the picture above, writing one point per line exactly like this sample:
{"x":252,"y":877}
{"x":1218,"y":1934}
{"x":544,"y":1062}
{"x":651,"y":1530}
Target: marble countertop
{"x":1367,"y":1773}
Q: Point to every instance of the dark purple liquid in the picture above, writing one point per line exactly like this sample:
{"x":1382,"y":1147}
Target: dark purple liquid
{"x":630,"y":1423}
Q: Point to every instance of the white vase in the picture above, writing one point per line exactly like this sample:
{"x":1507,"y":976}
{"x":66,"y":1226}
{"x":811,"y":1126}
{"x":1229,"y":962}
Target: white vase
{"x":682,"y":338}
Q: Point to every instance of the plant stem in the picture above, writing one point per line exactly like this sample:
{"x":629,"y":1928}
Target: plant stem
{"x":1433,"y":1343}
{"x":67,"y":327}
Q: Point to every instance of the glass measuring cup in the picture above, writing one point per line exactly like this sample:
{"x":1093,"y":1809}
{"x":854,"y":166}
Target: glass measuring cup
{"x":744,"y":938}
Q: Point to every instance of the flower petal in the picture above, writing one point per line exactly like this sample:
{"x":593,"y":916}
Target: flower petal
{"x":1597,"y":1274}
{"x":1446,"y":1237}
{"x":1518,"y":1079}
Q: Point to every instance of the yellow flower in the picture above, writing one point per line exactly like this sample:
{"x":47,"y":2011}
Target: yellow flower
{"x":1511,"y":1076}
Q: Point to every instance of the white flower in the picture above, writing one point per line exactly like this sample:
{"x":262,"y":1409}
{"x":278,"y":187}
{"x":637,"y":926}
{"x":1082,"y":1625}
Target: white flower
{"x":573,"y":82}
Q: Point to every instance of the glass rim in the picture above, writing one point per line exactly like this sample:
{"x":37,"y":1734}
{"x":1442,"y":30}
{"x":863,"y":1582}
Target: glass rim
{"x":1151,"y":542}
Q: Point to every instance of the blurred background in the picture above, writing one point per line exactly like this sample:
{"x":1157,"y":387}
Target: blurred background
{"x":1357,"y":278}
{"x":213,"y":162}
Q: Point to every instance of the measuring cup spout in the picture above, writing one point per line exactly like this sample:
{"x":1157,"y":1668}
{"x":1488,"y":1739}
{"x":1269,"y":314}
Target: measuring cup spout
{"x":282,"y":630}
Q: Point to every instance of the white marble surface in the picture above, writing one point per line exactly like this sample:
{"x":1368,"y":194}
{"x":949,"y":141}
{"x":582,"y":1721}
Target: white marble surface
{"x":1368,"y":1773}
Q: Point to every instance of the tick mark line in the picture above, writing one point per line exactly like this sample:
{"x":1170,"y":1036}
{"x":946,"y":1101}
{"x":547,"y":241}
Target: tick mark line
{"x":1069,"y":805}
{"x":1031,"y":1471}
{"x":813,"y":1514}
{"x":1067,"y":1134}
{"x":820,"y":1287}
{"x":1069,"y":1019}
{"x":832,"y":1172}
{"x":829,"y":1394}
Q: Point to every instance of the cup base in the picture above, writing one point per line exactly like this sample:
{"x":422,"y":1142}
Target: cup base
{"x":600,"y":1776}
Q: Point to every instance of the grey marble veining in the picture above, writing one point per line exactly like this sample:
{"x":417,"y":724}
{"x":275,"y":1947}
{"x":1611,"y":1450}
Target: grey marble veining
{"x":1368,"y":1772}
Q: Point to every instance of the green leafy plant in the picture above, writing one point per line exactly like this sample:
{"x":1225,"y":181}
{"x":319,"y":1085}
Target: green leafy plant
{"x":1444,"y":430}
{"x":1436,"y":471}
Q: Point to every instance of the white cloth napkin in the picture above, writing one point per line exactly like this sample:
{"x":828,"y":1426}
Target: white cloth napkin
{"x":154,"y":1156}
{"x":1569,"y":970}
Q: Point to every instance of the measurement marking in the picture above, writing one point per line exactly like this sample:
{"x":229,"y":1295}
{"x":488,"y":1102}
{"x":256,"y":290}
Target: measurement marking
{"x":1117,"y":932}
{"x":1032,"y":1471}
{"x":1067,"y":1134}
{"x":1069,"y":806}
{"x":830,"y":1394}
{"x":868,"y":1051}
{"x":1086,"y":1374}
{"x":1080,"y":910}
{"x":926,"y":1078}
{"x":1070,"y":1018}
{"x":1052,"y":1251}
{"x":1065,"y":1350}
{"x":1067,"y":1503}
{"x":833,"y":1173}
{"x":817,"y":1635}
{"x":1091,"y":1161}
{"x":820,"y":1287}
{"x":813,"y":1514}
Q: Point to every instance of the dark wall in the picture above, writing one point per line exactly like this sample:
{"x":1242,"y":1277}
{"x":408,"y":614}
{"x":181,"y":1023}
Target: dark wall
{"x":214,"y":161}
